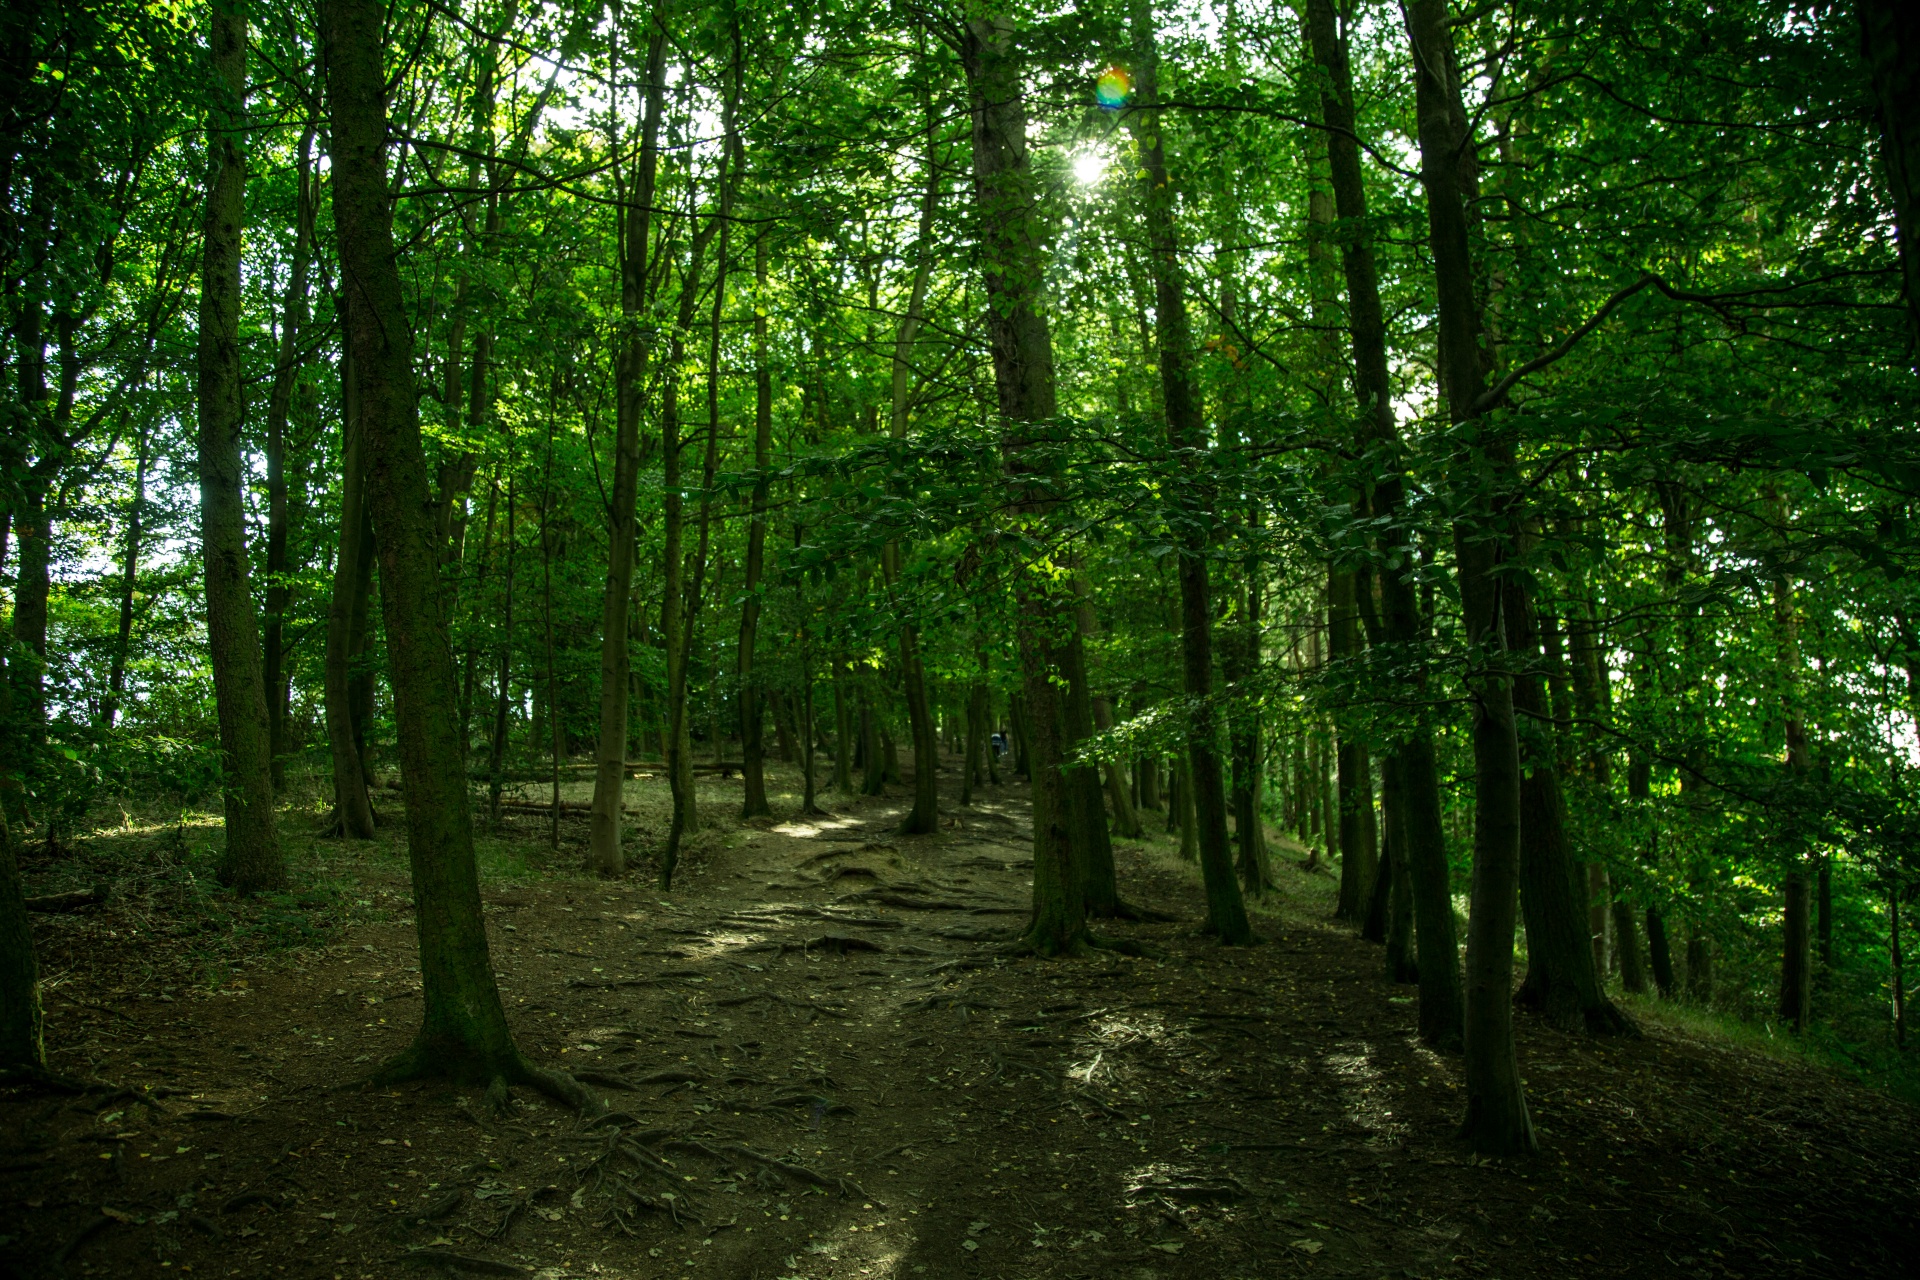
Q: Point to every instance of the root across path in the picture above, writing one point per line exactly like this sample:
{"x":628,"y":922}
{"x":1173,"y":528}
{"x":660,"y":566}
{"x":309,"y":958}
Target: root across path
{"x":818,"y":1063}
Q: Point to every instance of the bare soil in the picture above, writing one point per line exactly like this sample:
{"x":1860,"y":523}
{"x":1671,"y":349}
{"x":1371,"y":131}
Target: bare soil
{"x":821,"y":1065}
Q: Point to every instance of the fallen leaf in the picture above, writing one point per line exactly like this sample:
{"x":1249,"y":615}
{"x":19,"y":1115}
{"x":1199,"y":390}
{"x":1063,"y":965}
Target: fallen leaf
{"x":1308,"y":1246}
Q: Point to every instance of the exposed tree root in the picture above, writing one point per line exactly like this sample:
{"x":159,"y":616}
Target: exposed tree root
{"x":799,"y":1173}
{"x":831,"y":1012}
{"x":461,"y":1262}
{"x":36,"y":1076}
{"x":419,"y":1062}
{"x":1130,"y":911}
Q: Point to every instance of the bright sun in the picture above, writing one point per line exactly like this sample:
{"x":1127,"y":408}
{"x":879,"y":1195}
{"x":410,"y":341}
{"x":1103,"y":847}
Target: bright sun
{"x":1089,"y":167}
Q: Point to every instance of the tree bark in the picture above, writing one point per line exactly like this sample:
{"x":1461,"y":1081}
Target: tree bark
{"x":753,"y":715}
{"x":1419,"y":827}
{"x":463,"y":1032}
{"x":1496,"y":1121}
{"x":1796,"y":959}
{"x":1021,"y":348}
{"x":251,"y":862}
{"x":1562,"y":980}
{"x":924,"y":817}
{"x":352,"y":580}
{"x":674,"y":629}
{"x":22,"y":1018}
{"x":286,"y":373}
{"x":1890,"y":40}
{"x":1190,"y":502}
{"x":605,"y":854}
{"x":129,"y":580}
{"x":1355,"y":774}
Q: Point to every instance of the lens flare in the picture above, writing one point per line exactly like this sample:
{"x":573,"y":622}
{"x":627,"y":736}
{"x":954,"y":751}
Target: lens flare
{"x":1112,"y":88}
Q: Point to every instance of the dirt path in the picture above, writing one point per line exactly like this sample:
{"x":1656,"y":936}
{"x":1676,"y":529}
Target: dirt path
{"x":820,"y":1069}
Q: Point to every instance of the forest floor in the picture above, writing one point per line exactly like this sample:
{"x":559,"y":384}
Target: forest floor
{"x":820,"y":1066}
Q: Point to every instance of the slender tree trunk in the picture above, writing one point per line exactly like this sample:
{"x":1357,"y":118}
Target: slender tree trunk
{"x":286,"y":373}
{"x":1125,"y":820}
{"x":605,"y":854}
{"x":1355,"y":777}
{"x":503,"y":667}
{"x":556,"y":722}
{"x":1150,"y":784}
{"x":463,"y":1032}
{"x":924,"y":817}
{"x":1190,"y":504}
{"x":753,"y":714}
{"x":352,"y":568}
{"x":842,"y":729}
{"x":1419,"y":827}
{"x":1796,"y":960}
{"x":1496,"y":1122}
{"x":1895,"y":955}
{"x":873,"y":777}
{"x":129,"y":580}
{"x":252,"y":861}
{"x":674,"y":627}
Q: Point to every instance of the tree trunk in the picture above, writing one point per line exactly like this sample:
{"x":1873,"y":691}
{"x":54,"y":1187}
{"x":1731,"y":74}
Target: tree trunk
{"x":1796,"y":960}
{"x":1895,"y":955}
{"x":1355,"y":780}
{"x":842,"y":730}
{"x":1419,"y":827}
{"x":753,"y":715}
{"x":22,"y":1020}
{"x":1150,"y":784}
{"x":1125,"y":820}
{"x":287,"y":367}
{"x":976,"y":731}
{"x":352,"y":580}
{"x":605,"y":854}
{"x":1562,"y":980}
{"x":503,"y":668}
{"x":1022,"y":352}
{"x":1496,"y":1122}
{"x":674,"y":629}
{"x":129,"y":580}
{"x":1190,"y":505}
{"x":924,"y":817}
{"x":252,"y":861}
{"x":463,"y":1032}
{"x":1890,"y":38}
